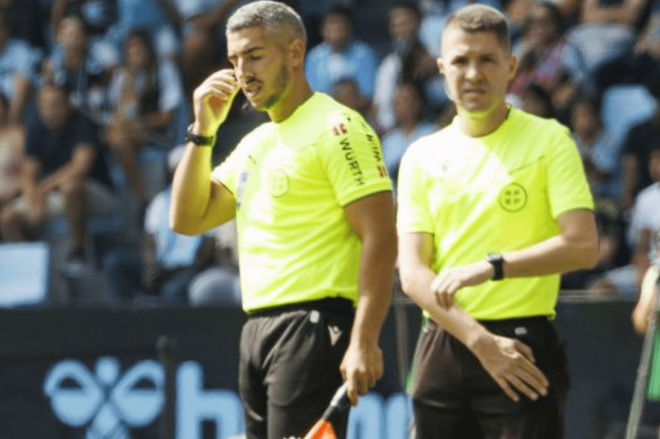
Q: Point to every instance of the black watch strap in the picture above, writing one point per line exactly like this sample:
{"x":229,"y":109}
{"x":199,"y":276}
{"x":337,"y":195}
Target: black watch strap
{"x":197,"y":139}
{"x":497,"y":261}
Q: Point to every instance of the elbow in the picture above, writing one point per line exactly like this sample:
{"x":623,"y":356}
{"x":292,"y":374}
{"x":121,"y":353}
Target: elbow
{"x":640,"y":322}
{"x":588,"y":254}
{"x":180,"y":226}
{"x":407,"y":280}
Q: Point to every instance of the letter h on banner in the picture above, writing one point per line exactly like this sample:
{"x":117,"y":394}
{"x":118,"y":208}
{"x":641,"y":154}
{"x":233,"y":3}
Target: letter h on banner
{"x":195,"y":405}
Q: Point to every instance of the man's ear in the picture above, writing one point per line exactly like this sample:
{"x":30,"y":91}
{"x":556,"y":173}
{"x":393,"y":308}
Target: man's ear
{"x":513,"y":67}
{"x":297,"y":52}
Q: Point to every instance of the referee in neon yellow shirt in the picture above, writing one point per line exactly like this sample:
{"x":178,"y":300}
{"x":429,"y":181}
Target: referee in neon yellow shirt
{"x":491,"y":209}
{"x":315,"y":217}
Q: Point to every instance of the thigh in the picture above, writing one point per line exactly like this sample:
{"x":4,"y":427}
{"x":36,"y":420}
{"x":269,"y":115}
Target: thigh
{"x":440,"y":423}
{"x":440,"y":399}
{"x":305,"y":374}
{"x":502,"y":418}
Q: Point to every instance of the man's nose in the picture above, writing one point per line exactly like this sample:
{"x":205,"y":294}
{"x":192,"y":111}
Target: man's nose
{"x":472,"y":71}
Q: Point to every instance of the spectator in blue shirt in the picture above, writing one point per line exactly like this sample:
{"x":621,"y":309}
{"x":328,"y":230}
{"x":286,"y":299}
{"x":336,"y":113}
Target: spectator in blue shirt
{"x":340,"y":56}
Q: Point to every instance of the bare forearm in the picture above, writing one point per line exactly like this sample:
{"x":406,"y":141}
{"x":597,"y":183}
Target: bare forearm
{"x":558,"y":254}
{"x":191,"y":189}
{"x":19,"y":102}
{"x":375,"y":287}
{"x":417,"y":285}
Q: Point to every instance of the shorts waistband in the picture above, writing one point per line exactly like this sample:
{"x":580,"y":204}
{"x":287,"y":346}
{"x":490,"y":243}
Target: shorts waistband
{"x":517,"y":321}
{"x":329,"y":303}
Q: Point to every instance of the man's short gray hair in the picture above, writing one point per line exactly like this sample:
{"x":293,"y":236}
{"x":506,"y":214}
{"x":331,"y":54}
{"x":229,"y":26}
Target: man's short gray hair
{"x":267,"y":14}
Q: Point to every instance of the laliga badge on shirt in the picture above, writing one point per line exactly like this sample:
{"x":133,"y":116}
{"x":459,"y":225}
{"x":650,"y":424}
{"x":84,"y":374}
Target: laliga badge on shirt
{"x":513,"y":198}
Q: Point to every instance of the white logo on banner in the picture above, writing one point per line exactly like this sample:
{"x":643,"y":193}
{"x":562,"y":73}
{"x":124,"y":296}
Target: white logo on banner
{"x":103,"y":401}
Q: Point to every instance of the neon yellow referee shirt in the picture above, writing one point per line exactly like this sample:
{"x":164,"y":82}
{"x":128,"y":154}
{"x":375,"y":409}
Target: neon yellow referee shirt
{"x":495,"y":193}
{"x":291,"y":181}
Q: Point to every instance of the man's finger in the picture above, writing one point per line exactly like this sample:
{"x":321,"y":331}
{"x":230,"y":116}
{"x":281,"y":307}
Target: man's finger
{"x":523,"y":387}
{"x":525,"y":350}
{"x":504,"y":385}
{"x":536,"y":381}
{"x":352,"y":393}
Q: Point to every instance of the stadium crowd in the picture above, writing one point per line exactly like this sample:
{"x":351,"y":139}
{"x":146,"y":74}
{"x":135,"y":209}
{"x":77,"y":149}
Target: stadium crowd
{"x":95,"y":99}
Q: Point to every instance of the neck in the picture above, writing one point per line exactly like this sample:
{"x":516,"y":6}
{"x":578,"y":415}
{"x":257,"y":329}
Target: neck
{"x":298,"y":93}
{"x":477,"y":124}
{"x":338,"y":47}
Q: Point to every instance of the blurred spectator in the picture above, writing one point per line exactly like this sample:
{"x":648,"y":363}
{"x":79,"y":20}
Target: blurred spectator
{"x":607,"y":29}
{"x":534,"y":99}
{"x":547,"y":59}
{"x":18,"y":71}
{"x":145,"y":94}
{"x":80,"y":69}
{"x":151,"y":17}
{"x":409,"y":109}
{"x":644,"y":221}
{"x":597,"y":147}
{"x":409,"y":61}
{"x":646,"y":217}
{"x":98,"y":15}
{"x":204,"y":44}
{"x":636,"y":149}
{"x":168,"y":262}
{"x":64,"y":173}
{"x":312,"y":13}
{"x":647,"y":307}
{"x":340,"y":56}
{"x":347,"y":91}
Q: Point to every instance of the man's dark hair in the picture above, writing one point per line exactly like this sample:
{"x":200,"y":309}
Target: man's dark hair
{"x":340,"y":10}
{"x":481,"y":18}
{"x":555,"y":12}
{"x":409,"y":6}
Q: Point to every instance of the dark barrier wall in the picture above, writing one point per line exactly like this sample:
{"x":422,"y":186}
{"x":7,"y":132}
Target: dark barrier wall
{"x":98,"y":373}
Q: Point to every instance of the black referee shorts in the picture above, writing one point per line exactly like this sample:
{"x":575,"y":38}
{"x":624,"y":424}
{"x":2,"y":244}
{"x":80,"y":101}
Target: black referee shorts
{"x":455,"y":398}
{"x":289,"y":366}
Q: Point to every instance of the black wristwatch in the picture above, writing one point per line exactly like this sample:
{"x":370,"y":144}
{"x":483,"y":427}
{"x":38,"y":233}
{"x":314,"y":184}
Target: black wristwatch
{"x":197,"y":139}
{"x":497,"y":261}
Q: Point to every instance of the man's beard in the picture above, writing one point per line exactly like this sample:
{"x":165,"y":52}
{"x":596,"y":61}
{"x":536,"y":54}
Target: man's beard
{"x":282,"y":82}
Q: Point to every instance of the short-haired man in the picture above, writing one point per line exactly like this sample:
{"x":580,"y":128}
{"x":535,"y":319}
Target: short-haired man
{"x":64,"y":173}
{"x":491,"y":210}
{"x":315,"y":217}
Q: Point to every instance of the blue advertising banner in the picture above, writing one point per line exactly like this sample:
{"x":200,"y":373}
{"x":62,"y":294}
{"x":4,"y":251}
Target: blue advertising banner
{"x":171,"y":373}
